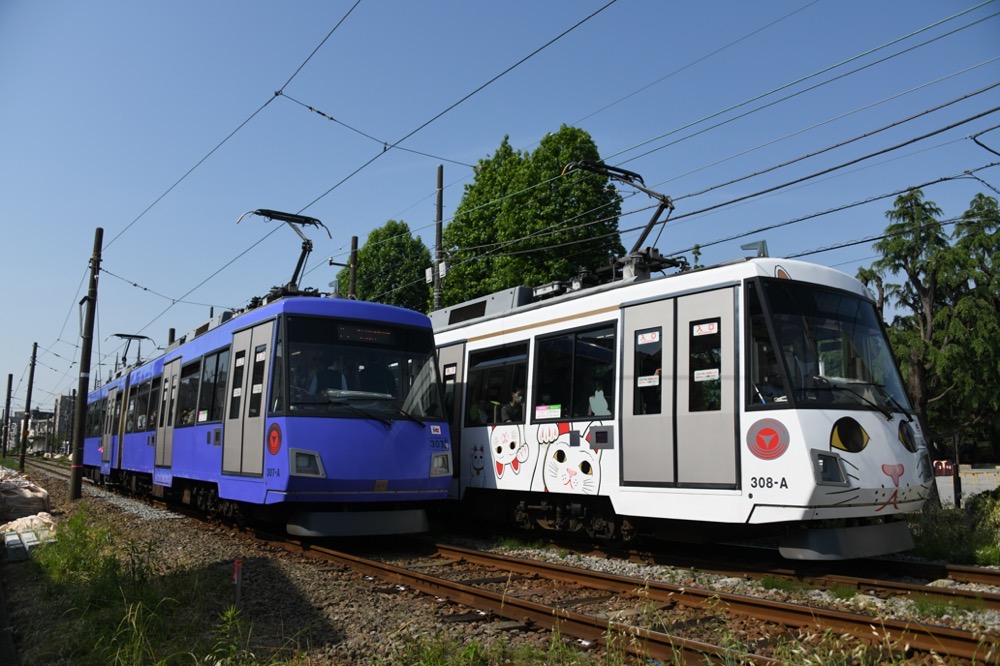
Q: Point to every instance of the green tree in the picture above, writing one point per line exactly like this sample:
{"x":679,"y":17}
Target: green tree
{"x":913,"y":248}
{"x":521,"y":222}
{"x":967,"y":403}
{"x":946,"y":332}
{"x":391,"y":266}
{"x":471,"y":238}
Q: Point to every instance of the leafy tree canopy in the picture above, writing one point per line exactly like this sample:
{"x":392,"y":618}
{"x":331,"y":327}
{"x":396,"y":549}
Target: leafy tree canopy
{"x":521,"y":222}
{"x":391,"y":266}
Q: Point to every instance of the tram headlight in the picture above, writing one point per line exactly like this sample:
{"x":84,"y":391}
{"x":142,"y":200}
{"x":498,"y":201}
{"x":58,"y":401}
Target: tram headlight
{"x":828,"y":468}
{"x":441,"y":464}
{"x":306,"y":463}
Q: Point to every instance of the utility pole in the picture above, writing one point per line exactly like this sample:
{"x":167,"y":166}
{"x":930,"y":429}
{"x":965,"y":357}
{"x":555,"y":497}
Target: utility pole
{"x":6,"y":415}
{"x":87,"y":335}
{"x":352,"y":289}
{"x":27,"y":406}
{"x":437,"y":238}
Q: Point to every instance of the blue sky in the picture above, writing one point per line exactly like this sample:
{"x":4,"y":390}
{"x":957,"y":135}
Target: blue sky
{"x":113,"y":113}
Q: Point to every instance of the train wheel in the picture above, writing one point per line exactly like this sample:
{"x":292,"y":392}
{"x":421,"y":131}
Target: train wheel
{"x":521,"y":517}
{"x":627,"y":530}
{"x":602,"y":526}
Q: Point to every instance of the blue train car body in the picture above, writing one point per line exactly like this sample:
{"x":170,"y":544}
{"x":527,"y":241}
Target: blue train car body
{"x":324,"y":413}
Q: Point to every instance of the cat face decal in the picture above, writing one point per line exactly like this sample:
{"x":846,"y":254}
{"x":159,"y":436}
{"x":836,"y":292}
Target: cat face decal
{"x":568,"y":468}
{"x":508,"y":448}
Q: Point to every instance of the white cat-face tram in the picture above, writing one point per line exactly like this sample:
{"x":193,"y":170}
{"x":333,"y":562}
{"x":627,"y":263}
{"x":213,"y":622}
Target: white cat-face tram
{"x":754,"y":398}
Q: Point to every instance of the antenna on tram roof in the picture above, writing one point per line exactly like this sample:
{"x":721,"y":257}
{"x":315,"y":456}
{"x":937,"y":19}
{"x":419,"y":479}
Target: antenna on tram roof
{"x":294,"y":221}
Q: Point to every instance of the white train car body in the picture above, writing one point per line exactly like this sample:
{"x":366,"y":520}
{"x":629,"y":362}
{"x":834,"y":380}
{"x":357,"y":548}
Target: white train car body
{"x":760,"y":393}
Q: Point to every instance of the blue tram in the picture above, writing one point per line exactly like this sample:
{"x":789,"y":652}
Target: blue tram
{"x":323,"y":413}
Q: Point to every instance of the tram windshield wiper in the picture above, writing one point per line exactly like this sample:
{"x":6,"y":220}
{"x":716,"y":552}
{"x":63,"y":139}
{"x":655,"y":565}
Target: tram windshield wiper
{"x":830,"y":386}
{"x":364,"y":412}
{"x":340,"y":397}
{"x":402,"y":411}
{"x":884,"y":392}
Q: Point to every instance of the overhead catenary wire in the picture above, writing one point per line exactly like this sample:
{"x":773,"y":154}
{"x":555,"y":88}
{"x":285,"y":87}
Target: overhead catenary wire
{"x":459,"y":102}
{"x":808,"y":77}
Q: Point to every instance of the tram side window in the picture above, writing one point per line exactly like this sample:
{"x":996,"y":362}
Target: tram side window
{"x":705,"y":379}
{"x":187,"y":393}
{"x":648,"y":371}
{"x":115,"y":422}
{"x":257,"y":381}
{"x":574,"y":375}
{"x":154,"y":404}
{"x":278,"y":372}
{"x":766,"y":380}
{"x":238,"y":370}
{"x":130,"y":410}
{"x":494,"y":375}
{"x":213,"y":387}
{"x":95,"y":417}
{"x":135,"y":417}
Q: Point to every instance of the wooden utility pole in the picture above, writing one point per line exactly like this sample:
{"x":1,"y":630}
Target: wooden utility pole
{"x":87,"y":335}
{"x":352,"y":289}
{"x":6,"y":415}
{"x":437,"y":238}
{"x":27,"y":406}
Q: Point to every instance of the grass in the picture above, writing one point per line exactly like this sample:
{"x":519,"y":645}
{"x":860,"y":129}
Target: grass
{"x":109,"y":593}
{"x":438,"y":651}
{"x":770,"y":582}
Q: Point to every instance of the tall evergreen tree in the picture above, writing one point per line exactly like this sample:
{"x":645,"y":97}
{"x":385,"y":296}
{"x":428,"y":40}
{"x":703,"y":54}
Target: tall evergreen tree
{"x":946,"y":332}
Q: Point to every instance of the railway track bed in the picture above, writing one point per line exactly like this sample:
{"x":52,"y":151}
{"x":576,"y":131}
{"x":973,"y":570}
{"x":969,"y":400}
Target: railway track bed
{"x":641,"y":609}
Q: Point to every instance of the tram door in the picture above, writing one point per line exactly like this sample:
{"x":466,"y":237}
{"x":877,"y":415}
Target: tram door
{"x":246,"y":391}
{"x":679,"y":393}
{"x":647,"y":447}
{"x":451,"y":365}
{"x":164,"y":456}
{"x":111,"y":413}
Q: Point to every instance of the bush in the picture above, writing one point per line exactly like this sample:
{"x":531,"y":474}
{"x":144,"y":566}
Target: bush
{"x":969,"y":535}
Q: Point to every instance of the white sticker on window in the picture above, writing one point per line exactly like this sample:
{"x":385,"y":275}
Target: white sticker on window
{"x":709,"y":375}
{"x":548,"y":411}
{"x":647,"y":380}
{"x":257,"y":388}
{"x":708,"y":328}
{"x":648,"y":338}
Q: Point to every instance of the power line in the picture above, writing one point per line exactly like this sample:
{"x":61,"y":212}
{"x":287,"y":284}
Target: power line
{"x":381,"y":142}
{"x":460,"y":101}
{"x":836,"y":209}
{"x":846,"y":142}
{"x":836,"y":167}
{"x":806,"y":78}
{"x":696,"y":61}
{"x":233,"y":133}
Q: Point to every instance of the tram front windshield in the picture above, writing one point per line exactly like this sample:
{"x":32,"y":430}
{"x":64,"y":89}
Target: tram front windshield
{"x":828,"y":350}
{"x":353,"y":369}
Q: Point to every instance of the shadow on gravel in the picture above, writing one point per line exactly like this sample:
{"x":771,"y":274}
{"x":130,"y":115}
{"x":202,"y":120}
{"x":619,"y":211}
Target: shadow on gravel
{"x":188,"y":612}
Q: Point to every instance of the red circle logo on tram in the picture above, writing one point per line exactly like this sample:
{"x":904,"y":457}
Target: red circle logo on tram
{"x":767,"y":439}
{"x":274,"y":439}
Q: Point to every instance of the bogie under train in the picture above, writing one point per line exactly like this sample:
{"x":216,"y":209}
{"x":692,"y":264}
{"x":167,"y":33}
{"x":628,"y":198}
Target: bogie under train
{"x":323,"y":413}
{"x":754,"y":397}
